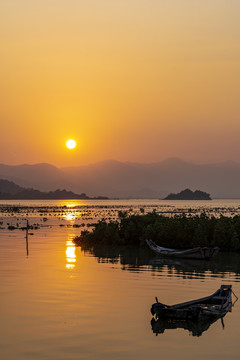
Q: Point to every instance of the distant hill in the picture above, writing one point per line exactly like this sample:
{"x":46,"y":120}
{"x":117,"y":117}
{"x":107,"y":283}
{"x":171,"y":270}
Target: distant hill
{"x":44,"y":177}
{"x":156,"y":180}
{"x":10,"y":191}
{"x":189,"y":195}
{"x":130,"y":180}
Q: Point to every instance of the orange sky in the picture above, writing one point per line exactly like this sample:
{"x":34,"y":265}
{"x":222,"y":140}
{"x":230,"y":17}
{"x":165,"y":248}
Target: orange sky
{"x":134,"y":80}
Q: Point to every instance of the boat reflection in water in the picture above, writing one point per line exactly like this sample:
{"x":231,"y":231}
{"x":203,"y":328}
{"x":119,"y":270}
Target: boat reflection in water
{"x":135,"y":259}
{"x":195,"y":328}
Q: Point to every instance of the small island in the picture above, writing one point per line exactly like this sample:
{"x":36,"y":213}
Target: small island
{"x":187,"y":194}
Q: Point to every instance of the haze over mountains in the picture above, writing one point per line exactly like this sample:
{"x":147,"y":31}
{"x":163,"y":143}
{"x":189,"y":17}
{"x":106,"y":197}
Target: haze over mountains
{"x":10,"y":191}
{"x":130,"y":180}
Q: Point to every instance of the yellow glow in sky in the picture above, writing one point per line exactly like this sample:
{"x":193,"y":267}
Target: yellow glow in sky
{"x":134,"y":80}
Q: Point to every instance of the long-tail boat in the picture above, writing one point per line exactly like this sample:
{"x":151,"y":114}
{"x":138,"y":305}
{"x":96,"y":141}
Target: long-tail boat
{"x":215,"y":305}
{"x":195,"y":253}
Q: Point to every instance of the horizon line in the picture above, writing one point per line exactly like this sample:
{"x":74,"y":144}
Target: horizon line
{"x":172,"y":158}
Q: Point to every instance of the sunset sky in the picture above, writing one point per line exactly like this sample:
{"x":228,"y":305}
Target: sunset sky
{"x":131,"y":80}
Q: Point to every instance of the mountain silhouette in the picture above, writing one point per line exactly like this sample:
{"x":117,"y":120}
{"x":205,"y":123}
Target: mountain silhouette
{"x":127,"y":179}
{"x":10,"y":191}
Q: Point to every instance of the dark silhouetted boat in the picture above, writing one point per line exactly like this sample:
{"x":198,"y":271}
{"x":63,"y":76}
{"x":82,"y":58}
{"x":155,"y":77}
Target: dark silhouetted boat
{"x":213,"y":306}
{"x":195,"y":253}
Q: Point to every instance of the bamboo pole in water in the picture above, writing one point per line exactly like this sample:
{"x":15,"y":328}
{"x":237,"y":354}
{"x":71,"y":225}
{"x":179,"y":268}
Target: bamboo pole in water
{"x":27,"y":238}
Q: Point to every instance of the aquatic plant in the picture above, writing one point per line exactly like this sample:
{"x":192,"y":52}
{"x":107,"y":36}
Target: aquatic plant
{"x":178,"y":231}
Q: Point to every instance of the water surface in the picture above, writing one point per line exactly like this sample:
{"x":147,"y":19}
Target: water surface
{"x":64,"y":302}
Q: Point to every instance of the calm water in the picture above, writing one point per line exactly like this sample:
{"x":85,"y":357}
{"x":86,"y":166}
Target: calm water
{"x":61,"y":302}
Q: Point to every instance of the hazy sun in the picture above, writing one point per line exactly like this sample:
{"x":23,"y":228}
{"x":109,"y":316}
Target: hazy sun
{"x":71,"y":144}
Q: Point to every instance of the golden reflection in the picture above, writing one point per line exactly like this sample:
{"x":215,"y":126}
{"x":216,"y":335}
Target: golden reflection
{"x":70,"y":266}
{"x":72,"y":203}
{"x":70,"y":216}
{"x":70,"y":253}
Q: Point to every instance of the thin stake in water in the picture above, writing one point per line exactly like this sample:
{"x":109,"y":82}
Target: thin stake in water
{"x":27,"y":238}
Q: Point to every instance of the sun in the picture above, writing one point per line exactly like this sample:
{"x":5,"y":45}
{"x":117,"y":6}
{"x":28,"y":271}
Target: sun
{"x":71,"y":144}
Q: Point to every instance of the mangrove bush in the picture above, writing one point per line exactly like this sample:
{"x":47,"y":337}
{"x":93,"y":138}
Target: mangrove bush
{"x":179,"y":231}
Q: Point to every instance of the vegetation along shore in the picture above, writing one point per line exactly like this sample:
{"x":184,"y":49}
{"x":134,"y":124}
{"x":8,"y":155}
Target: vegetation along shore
{"x":179,"y":231}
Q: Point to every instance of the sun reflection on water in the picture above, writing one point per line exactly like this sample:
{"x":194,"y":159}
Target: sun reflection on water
{"x":70,"y":253}
{"x":70,"y":216}
{"x":72,"y":203}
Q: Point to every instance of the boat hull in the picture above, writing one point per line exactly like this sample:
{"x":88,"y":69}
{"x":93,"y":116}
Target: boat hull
{"x":215,"y":305}
{"x":195,"y":253}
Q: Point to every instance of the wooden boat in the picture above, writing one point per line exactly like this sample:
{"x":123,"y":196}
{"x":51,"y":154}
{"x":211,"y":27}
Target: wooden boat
{"x":215,"y":305}
{"x":195,"y":253}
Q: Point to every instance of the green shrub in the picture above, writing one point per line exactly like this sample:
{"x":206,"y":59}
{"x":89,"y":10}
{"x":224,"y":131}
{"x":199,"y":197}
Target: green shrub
{"x":179,"y":231}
